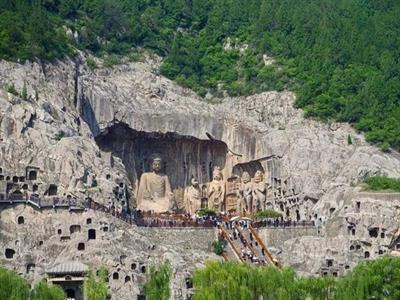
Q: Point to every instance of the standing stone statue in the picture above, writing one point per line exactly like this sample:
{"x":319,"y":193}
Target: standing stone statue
{"x":154,"y":192}
{"x":192,"y":198}
{"x":216,"y":191}
{"x":259,"y":192}
{"x":245,"y":194}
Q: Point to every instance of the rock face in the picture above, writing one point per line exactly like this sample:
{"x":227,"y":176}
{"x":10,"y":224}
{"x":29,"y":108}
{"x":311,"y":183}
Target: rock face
{"x":45,"y":238}
{"x":90,"y":133}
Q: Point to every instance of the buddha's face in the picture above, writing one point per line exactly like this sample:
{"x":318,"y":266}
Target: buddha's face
{"x":258,"y":176}
{"x":195,"y":182}
{"x":217,"y":176}
{"x":156,"y":165}
{"x":245,"y":177}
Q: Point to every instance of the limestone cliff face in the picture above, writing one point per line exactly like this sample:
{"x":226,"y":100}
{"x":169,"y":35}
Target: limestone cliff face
{"x":68,"y":132}
{"x":47,"y":238}
{"x":88,"y":103}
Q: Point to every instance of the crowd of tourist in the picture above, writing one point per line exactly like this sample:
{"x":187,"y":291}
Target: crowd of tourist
{"x":249,"y":249}
{"x":280,"y":222}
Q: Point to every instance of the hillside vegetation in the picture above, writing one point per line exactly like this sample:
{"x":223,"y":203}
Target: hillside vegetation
{"x":381,"y":183}
{"x":341,"y":57}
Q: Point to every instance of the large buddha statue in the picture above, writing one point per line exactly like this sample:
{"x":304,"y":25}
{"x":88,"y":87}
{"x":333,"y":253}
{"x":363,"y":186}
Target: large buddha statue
{"x":259,"y":192}
{"x":245,"y":194}
{"x":154,"y":192}
{"x":192,"y":198}
{"x":216,"y":191}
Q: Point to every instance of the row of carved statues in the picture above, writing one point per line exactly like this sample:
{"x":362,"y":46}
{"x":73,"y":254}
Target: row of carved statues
{"x":249,"y":196}
{"x":155,"y":194}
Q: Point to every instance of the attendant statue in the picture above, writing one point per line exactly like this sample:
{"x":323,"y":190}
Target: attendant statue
{"x":192,"y":197}
{"x":259,"y":192}
{"x":216,"y":191}
{"x":245,"y":194}
{"x":154,"y":192}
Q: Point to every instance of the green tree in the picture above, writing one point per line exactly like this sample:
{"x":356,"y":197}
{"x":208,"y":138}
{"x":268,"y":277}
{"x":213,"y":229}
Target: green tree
{"x":157,"y":285}
{"x":12,"y":286}
{"x":96,"y":288}
{"x":43,"y":291}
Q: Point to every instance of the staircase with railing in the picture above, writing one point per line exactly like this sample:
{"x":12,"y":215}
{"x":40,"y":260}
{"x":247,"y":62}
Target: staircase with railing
{"x":232,"y":251}
{"x":244,"y":244}
{"x":267,"y":253}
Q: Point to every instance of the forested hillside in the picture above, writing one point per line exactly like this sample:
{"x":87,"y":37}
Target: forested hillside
{"x":341,"y":57}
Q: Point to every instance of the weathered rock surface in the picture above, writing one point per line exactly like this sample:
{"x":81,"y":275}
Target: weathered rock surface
{"x":85,"y":105}
{"x":49,"y":237}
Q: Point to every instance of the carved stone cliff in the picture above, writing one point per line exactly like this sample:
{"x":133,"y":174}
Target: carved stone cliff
{"x":90,"y":132}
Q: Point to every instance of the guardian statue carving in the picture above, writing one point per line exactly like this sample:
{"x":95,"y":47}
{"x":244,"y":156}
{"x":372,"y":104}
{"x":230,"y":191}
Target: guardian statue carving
{"x":192,"y":198}
{"x":216,"y":191}
{"x":259,"y":192}
{"x":245,"y":194}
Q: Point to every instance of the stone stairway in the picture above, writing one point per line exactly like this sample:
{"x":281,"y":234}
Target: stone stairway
{"x":244,"y":244}
{"x":231,"y":251}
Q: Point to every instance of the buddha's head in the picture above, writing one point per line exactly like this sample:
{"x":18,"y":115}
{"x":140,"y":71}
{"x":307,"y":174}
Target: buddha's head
{"x":156,"y":164}
{"x":217,"y":174}
{"x":194,"y":182}
{"x":258,"y":176}
{"x":246,"y":177}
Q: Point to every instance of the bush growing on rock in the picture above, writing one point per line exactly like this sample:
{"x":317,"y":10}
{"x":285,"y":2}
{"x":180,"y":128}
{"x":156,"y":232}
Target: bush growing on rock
{"x":206,"y":212}
{"x":268,"y":213}
{"x":377,"y":183}
{"x":218,"y":247}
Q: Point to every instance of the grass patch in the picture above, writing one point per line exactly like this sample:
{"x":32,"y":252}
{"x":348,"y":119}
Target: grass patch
{"x":379,"y":183}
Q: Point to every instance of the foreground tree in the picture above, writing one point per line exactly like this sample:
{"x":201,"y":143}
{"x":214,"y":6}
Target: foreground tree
{"x":96,"y":288}
{"x":379,"y":279}
{"x":12,"y":286}
{"x":43,"y":291}
{"x":157,"y":286}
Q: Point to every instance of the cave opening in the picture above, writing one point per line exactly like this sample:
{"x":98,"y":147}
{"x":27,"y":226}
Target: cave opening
{"x":184,"y":157}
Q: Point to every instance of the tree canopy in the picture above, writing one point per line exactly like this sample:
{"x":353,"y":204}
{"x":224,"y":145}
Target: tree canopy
{"x":14,"y":287}
{"x":341,"y":57}
{"x":378,"y":279}
{"x":157,"y":285}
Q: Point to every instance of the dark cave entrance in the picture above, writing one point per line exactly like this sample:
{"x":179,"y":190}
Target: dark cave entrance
{"x":183,"y":157}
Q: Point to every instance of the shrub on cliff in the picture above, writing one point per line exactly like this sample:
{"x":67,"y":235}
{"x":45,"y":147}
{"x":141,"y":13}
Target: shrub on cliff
{"x":268,"y":213}
{"x":218,"y":247}
{"x":377,"y":183}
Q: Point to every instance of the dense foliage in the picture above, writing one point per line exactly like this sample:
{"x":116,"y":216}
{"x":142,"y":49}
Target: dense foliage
{"x":14,"y":287}
{"x":379,"y":279}
{"x":96,"y":288}
{"x":220,"y":281}
{"x":340,"y":56}
{"x":157,"y":285}
{"x":268,"y":213}
{"x":43,"y":291}
{"x":206,"y":212}
{"x":218,"y":247}
{"x":372,"y":280}
{"x":378,"y":183}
